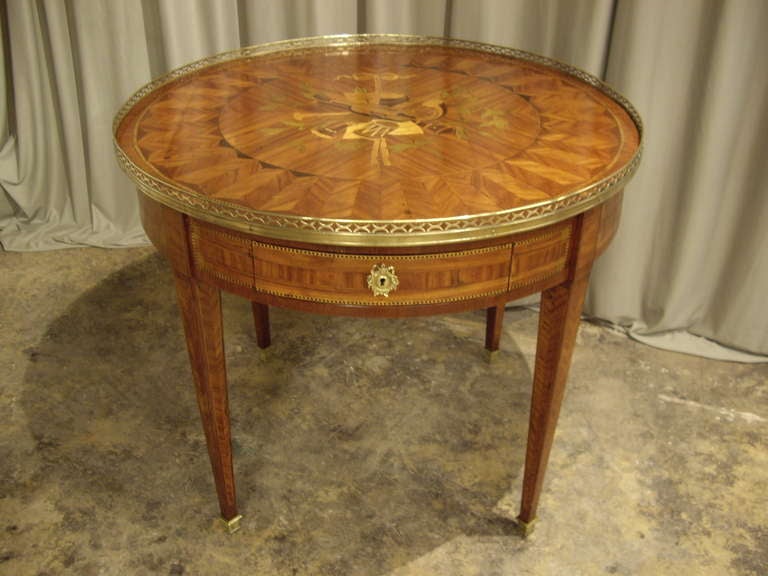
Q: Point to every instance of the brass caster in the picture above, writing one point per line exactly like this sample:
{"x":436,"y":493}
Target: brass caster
{"x":525,"y":528}
{"x":490,"y":355}
{"x":233,"y":525}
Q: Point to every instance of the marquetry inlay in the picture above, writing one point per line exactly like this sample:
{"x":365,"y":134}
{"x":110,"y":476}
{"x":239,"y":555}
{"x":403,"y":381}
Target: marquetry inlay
{"x":221,"y":254}
{"x":351,"y":142}
{"x":540,"y":256}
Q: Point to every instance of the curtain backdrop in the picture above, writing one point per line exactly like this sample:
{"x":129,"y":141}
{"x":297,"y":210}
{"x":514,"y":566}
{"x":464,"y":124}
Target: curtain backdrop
{"x":692,"y":250}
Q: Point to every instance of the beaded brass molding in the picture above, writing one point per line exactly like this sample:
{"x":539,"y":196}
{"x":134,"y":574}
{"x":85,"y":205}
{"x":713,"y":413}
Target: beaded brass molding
{"x":377,"y":257}
{"x":538,"y":278}
{"x":377,"y":232}
{"x":194,"y":230}
{"x":548,"y":234}
{"x":381,"y":301}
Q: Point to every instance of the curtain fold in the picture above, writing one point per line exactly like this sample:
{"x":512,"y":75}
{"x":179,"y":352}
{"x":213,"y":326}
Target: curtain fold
{"x":576,"y":32}
{"x":59,"y":173}
{"x":691,"y":254}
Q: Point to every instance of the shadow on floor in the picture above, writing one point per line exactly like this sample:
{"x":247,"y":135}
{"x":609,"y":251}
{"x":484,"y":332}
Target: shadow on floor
{"x":360,"y":445}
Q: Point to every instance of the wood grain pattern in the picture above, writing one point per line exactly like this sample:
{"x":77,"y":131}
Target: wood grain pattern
{"x":220,"y":253}
{"x":261,"y":323}
{"x":609,"y":222}
{"x":378,"y":133}
{"x":494,"y":320}
{"x":540,"y":256}
{"x":166,"y":229}
{"x":559,"y":314}
{"x":339,"y":278}
{"x":200,"y":306}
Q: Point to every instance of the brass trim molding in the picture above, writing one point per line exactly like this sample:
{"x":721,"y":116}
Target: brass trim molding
{"x":194,"y":228}
{"x":566,"y":230}
{"x":340,"y":232}
{"x":395,"y":257}
{"x":378,"y":301}
{"x":537,"y":278}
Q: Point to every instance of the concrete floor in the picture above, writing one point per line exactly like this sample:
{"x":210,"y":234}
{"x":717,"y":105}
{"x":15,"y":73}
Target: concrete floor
{"x":385,"y":447}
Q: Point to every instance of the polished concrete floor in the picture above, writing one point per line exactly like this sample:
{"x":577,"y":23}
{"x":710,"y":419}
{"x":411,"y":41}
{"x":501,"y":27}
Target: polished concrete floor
{"x":386,"y":447}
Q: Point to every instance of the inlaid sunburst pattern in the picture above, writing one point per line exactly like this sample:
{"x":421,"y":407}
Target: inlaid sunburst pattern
{"x":378,"y":133}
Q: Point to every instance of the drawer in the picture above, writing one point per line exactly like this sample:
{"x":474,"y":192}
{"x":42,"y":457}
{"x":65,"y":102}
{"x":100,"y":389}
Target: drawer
{"x":381,"y":280}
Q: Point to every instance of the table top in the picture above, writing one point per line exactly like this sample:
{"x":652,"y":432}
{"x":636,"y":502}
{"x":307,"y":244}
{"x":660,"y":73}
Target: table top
{"x":378,"y":140}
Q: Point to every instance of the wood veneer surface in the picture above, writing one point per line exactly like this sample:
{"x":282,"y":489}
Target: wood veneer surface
{"x":378,"y":132}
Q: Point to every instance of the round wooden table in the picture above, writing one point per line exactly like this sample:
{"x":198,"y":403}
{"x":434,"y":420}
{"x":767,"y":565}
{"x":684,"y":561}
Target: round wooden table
{"x":379,"y":176}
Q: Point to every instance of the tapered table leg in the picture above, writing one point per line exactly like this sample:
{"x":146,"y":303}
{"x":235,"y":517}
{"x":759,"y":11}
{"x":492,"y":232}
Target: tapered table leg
{"x":201,"y":312}
{"x":558,"y":324}
{"x":494,"y":319}
{"x":261,"y":322}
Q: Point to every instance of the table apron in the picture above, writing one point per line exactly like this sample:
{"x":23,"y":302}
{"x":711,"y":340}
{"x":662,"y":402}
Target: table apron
{"x":428,"y":280}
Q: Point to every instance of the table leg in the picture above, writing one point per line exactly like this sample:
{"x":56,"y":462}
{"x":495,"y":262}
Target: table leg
{"x":201,"y":312}
{"x":494,"y":319}
{"x":558,"y":324}
{"x":261,"y":321}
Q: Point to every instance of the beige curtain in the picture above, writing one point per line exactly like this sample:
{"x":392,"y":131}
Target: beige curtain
{"x":691,"y":256}
{"x":692,"y":251}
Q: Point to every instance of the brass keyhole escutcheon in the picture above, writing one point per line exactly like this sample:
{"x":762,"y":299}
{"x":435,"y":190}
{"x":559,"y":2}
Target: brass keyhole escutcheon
{"x":382,"y":280}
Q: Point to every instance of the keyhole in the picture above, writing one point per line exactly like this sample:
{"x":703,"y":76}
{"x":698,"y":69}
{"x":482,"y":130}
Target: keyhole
{"x":382,"y":281}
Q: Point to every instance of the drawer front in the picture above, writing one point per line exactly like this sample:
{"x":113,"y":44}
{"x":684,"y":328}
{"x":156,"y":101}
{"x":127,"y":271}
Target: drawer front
{"x":411,"y":279}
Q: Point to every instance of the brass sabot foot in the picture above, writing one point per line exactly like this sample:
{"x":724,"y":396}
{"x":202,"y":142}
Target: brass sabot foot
{"x":232,"y":525}
{"x":525,"y":528}
{"x":491,"y":355}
